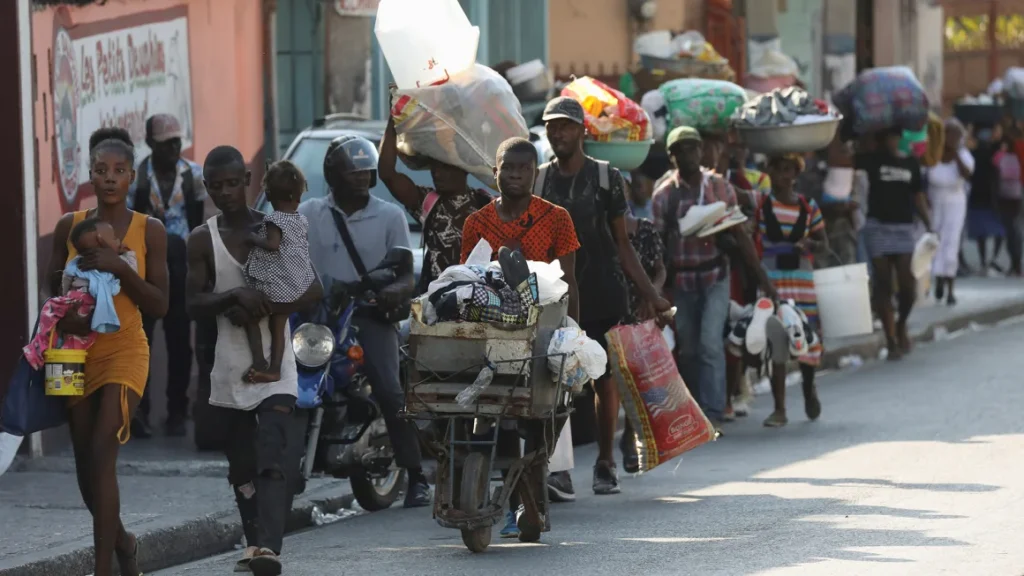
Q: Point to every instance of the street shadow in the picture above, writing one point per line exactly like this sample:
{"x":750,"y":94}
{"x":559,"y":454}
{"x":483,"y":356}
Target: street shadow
{"x":833,"y":482}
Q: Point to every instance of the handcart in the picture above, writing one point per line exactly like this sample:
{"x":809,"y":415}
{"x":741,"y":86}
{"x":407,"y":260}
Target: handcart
{"x":524,"y":396}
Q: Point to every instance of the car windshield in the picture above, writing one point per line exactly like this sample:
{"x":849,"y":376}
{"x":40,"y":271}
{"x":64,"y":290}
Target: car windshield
{"x":309,"y":157}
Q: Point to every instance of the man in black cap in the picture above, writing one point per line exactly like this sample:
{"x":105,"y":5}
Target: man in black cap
{"x":594,"y":193}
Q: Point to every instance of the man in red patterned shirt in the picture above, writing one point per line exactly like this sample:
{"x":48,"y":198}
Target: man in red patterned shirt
{"x":698,"y":270}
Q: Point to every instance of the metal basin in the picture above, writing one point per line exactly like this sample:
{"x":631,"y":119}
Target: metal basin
{"x":798,"y":138}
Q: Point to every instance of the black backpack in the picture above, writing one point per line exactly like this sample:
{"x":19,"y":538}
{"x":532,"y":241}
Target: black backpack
{"x":194,"y":209}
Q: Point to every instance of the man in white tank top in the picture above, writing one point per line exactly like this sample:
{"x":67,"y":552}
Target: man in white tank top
{"x":262,"y":438}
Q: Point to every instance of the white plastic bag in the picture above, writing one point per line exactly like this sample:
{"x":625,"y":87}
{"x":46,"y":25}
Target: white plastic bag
{"x":774,"y":62}
{"x":653,"y":102}
{"x":924,"y":252}
{"x":550,"y":286}
{"x":921,"y":263}
{"x":585,"y":360}
{"x":461,"y":122}
{"x":1013,"y":82}
{"x":9,"y":444}
{"x":481,"y":254}
{"x":561,"y":458}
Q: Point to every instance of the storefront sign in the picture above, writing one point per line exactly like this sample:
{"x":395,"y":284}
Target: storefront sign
{"x":356,"y":7}
{"x":116,"y":78}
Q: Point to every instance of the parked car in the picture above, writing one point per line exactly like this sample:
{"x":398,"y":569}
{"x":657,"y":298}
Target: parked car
{"x":307,"y":152}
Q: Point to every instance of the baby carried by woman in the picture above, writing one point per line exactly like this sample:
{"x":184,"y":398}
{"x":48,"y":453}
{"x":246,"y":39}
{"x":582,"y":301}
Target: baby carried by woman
{"x":83,"y":292}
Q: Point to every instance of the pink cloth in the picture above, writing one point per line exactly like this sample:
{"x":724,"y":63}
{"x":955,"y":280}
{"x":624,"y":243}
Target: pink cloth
{"x":77,"y":301}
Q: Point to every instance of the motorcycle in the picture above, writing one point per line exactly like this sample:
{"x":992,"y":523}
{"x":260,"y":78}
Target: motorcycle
{"x":345,"y":436}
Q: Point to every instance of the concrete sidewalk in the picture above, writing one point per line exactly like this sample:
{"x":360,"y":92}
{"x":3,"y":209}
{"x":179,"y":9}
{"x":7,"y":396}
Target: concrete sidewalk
{"x":179,"y":503}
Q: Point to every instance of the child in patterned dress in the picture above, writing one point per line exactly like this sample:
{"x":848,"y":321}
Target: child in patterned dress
{"x":278,"y":265}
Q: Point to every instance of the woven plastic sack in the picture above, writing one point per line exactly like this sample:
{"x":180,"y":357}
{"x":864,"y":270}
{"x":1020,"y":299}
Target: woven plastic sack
{"x":461,"y":122}
{"x":884,"y":98}
{"x":607,"y":113}
{"x":702,"y":104}
{"x":666,"y":418}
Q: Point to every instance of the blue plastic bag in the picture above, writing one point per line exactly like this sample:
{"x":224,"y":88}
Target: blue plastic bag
{"x":27,"y":408}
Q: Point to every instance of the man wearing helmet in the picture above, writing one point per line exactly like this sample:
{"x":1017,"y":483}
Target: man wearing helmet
{"x":372,"y":227}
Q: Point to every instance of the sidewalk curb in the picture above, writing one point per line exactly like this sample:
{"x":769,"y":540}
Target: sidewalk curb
{"x":194,"y":540}
{"x":870,"y":349}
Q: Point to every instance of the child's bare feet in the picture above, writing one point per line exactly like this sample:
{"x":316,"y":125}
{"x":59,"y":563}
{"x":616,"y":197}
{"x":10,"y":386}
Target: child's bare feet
{"x":258,"y":365}
{"x":265,"y":376}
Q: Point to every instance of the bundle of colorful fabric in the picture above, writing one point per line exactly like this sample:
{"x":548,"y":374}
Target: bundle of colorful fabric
{"x":702,"y":104}
{"x":883,"y":98}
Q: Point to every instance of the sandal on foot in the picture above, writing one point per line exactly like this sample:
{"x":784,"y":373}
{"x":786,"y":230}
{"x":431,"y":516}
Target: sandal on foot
{"x":265,"y":563}
{"x":776,"y":420}
{"x":243,"y":564}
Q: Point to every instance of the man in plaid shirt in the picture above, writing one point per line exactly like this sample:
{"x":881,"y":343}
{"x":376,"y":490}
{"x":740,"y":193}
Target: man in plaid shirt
{"x":699,"y":270}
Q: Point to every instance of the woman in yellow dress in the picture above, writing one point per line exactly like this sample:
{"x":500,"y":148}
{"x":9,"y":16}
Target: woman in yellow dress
{"x":118,"y":363}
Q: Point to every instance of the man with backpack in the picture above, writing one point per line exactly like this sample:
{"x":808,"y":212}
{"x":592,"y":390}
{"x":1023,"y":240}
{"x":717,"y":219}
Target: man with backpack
{"x":170,"y":189}
{"x":595,"y":196}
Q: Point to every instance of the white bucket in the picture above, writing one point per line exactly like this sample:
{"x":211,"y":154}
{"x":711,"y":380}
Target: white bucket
{"x":425,"y":41}
{"x":844,"y":300}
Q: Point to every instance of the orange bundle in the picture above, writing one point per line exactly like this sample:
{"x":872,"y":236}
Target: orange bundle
{"x":608,"y":114}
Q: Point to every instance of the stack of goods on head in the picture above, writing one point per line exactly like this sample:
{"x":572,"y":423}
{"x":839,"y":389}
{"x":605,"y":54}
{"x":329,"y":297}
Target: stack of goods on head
{"x":619,"y":131}
{"x":786,"y":121}
{"x":447,"y":107}
{"x":704,"y":104}
{"x":882,"y":99}
{"x":773,"y":69}
{"x":982,"y":110}
{"x":687,"y":55}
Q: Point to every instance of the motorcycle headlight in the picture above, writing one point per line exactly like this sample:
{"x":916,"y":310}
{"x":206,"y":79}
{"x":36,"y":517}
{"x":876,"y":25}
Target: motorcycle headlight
{"x":313,"y":345}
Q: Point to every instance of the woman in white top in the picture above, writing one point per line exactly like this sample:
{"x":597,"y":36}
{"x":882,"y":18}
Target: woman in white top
{"x":947,"y":191}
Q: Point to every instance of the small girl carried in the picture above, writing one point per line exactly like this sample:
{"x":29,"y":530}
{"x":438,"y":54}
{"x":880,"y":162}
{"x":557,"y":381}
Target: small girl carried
{"x":278,"y":266}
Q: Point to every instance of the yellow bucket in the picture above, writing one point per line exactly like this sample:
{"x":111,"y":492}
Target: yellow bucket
{"x":64,"y":371}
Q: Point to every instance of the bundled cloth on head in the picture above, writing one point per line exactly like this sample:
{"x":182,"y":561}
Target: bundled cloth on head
{"x":706,"y":105}
{"x":883,"y":98}
{"x":461,"y":122}
{"x":783,"y":107}
{"x":607,"y":114}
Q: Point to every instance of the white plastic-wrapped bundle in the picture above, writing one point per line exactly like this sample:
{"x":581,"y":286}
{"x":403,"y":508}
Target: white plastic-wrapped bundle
{"x":461,"y":122}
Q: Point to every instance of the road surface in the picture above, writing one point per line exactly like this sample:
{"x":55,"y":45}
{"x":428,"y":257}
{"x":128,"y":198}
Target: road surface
{"x":913,"y":469}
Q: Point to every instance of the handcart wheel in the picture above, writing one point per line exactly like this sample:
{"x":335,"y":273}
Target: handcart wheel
{"x":474,"y":494}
